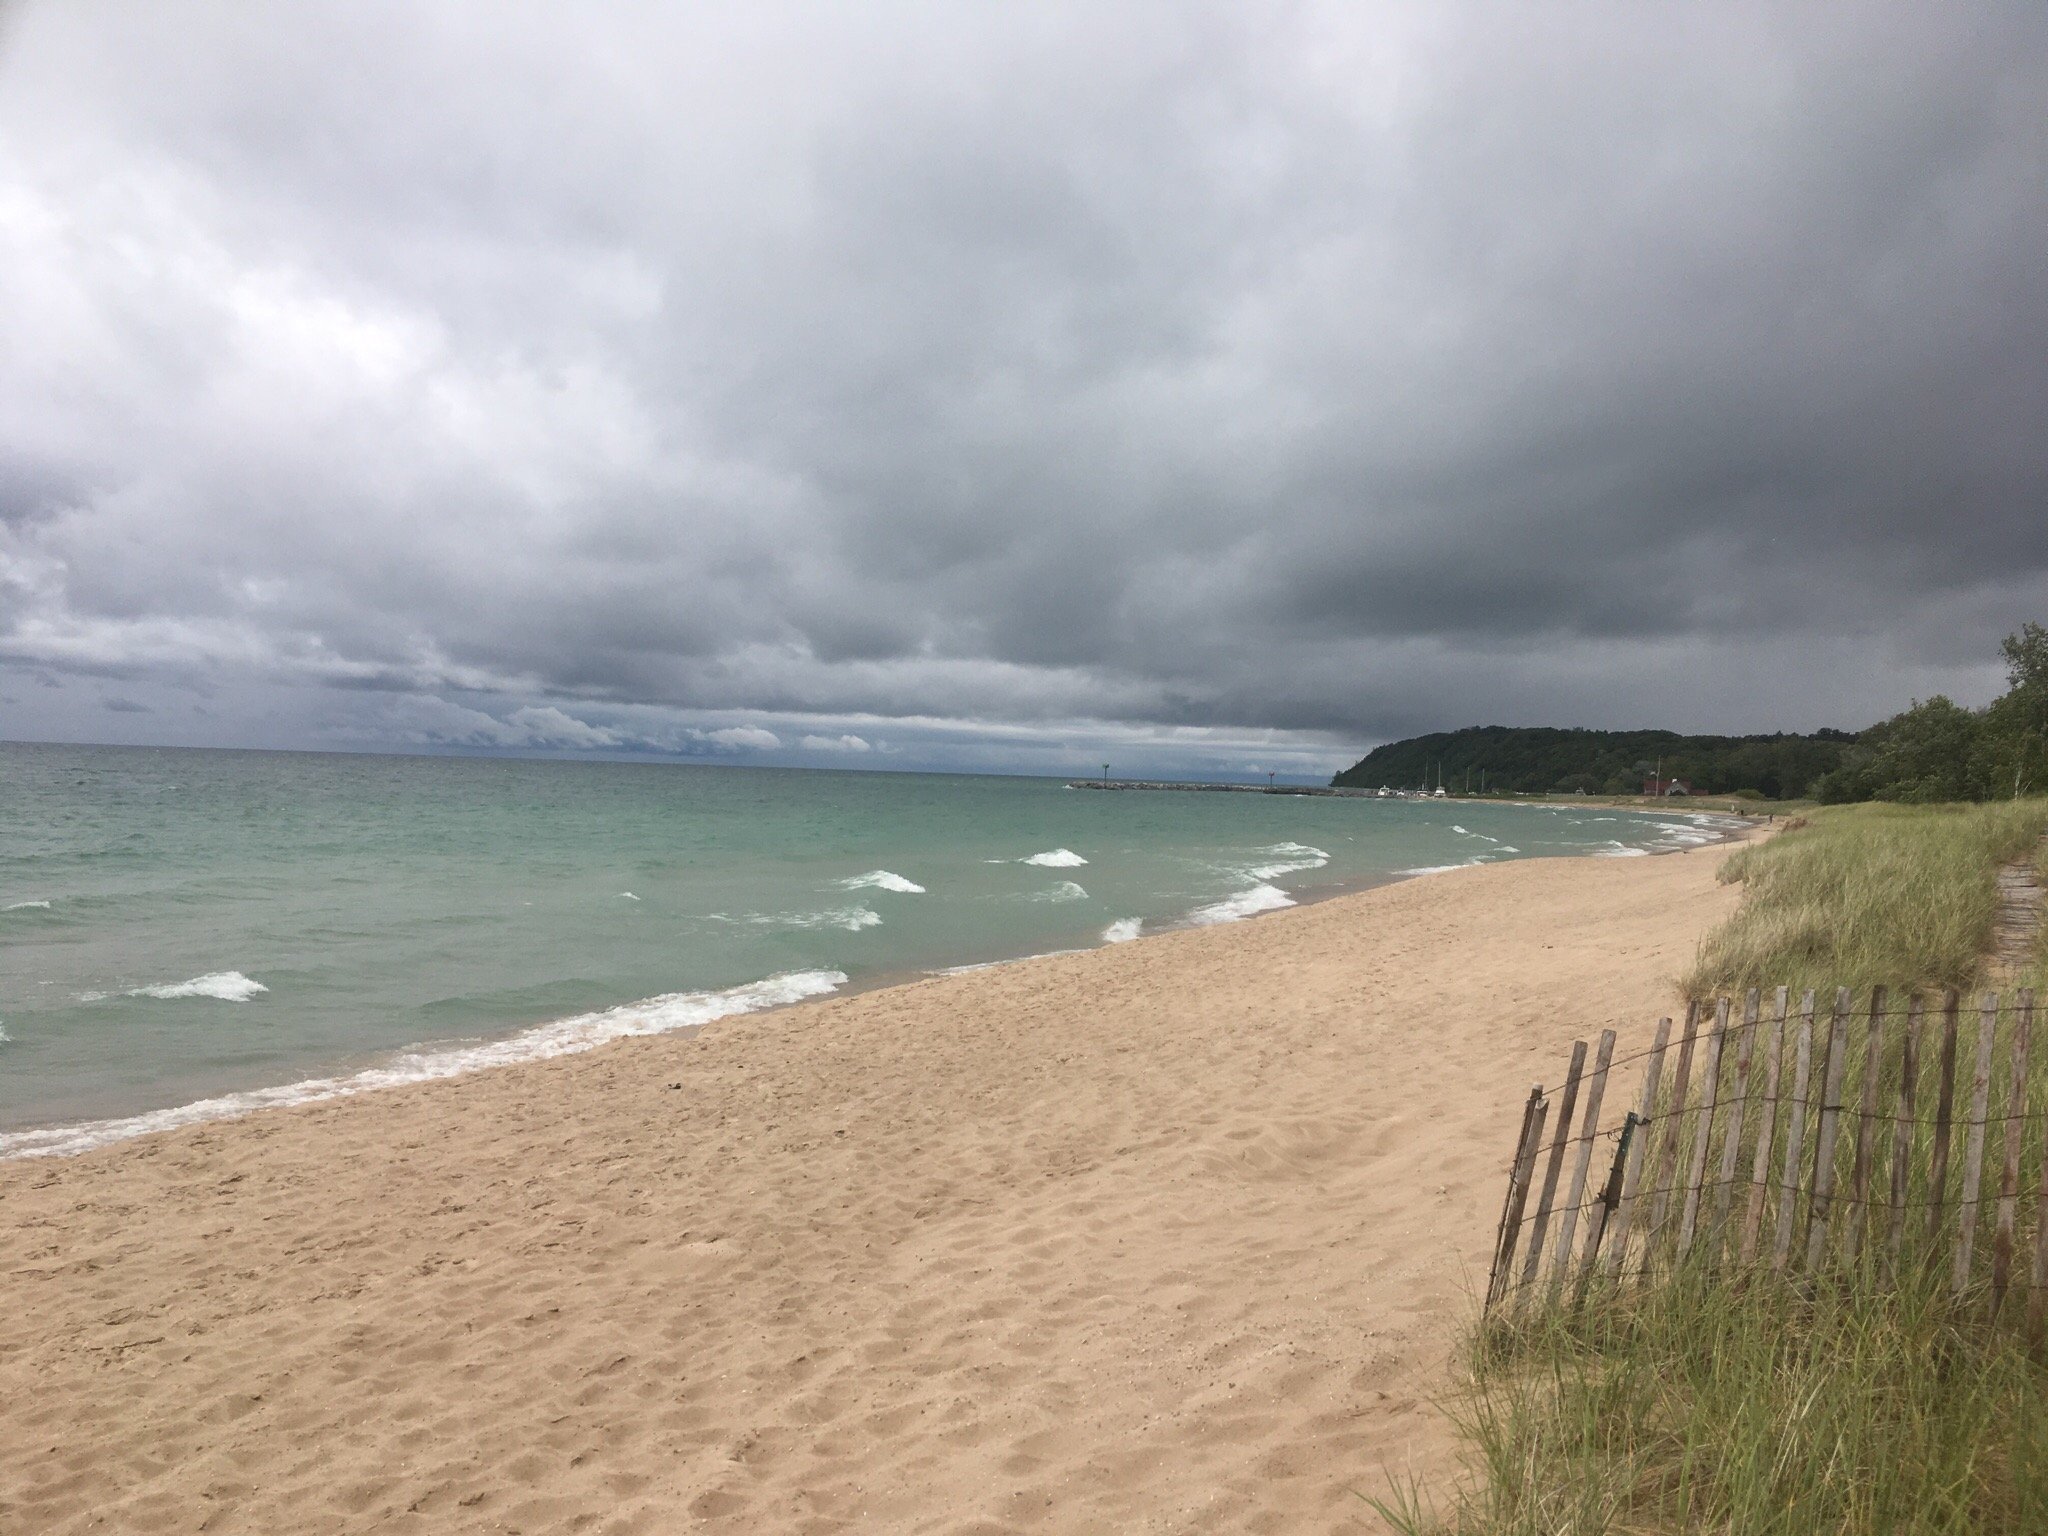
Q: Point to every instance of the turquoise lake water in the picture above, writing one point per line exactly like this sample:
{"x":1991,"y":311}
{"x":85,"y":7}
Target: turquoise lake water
{"x":185,"y":934}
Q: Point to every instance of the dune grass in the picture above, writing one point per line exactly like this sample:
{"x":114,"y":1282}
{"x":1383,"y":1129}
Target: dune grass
{"x":1868,"y":894}
{"x":1710,"y":1402}
{"x":1697,"y":1406}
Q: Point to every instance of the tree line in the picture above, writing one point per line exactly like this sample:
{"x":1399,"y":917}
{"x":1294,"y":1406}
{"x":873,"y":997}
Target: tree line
{"x":1935,"y":750}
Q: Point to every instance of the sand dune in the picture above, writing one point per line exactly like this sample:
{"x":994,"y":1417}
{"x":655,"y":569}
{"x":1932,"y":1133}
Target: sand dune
{"x":1167,"y":1236}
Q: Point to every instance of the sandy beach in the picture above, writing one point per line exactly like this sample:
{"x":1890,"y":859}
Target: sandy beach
{"x":1165,"y":1236}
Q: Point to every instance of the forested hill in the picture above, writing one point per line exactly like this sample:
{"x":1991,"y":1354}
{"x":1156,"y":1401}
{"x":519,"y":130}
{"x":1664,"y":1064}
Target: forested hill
{"x":1539,"y":760}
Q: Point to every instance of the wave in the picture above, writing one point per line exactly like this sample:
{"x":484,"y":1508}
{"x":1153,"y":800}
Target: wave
{"x":226,"y":986}
{"x":1066,"y":890}
{"x":1436,"y":869}
{"x":1480,"y":835}
{"x":852,"y":919}
{"x":23,"y":906}
{"x":1620,"y":850}
{"x":1059,"y":858}
{"x":5,"y":1038}
{"x":563,"y":1037}
{"x":1123,"y":930}
{"x":627,"y":896}
{"x":1284,"y":859}
{"x":1260,"y":898}
{"x":882,"y":880}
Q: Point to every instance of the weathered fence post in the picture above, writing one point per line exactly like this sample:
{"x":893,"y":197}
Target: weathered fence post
{"x":1664,"y":1175}
{"x":1795,"y":1135}
{"x":1902,"y":1134}
{"x":1710,"y":1092}
{"x":1541,"y":1225}
{"x":1731,"y":1141}
{"x":1519,"y":1173}
{"x":1944,"y":1121}
{"x":1820,"y":1207}
{"x":1767,"y":1128}
{"x":1596,"y":1090}
{"x":1973,"y":1144}
{"x":2015,"y":1128}
{"x":1639,"y":1150}
{"x":1604,"y":1207}
{"x":1866,"y":1124}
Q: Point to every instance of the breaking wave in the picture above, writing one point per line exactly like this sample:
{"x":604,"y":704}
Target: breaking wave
{"x":882,"y":880}
{"x":1058,"y":858}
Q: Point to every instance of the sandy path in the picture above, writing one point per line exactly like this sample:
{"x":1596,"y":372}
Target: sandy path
{"x":1167,"y":1236}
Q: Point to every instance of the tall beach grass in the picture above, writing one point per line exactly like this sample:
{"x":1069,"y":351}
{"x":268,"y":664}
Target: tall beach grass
{"x":1863,"y":895}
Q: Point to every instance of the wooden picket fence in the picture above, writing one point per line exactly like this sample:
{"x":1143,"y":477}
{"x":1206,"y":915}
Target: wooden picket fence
{"x":1785,"y":1142}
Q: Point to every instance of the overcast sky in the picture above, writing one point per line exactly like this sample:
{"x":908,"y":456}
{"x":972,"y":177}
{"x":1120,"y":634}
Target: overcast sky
{"x":1207,"y":389}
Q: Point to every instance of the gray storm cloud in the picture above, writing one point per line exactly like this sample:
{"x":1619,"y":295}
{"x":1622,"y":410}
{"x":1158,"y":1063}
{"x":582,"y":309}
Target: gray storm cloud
{"x":999,"y":386}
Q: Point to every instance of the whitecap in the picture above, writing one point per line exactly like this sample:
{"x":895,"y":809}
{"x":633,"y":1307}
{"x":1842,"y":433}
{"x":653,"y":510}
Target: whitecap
{"x":226,"y":986}
{"x":1620,"y":851}
{"x":627,"y":896}
{"x":852,"y":919}
{"x":5,"y":1038}
{"x":563,"y":1037}
{"x":1059,"y":858}
{"x":1260,"y":898}
{"x":1284,"y":859}
{"x":23,"y":906}
{"x":1123,"y":930}
{"x":1066,"y":890}
{"x":882,"y":880}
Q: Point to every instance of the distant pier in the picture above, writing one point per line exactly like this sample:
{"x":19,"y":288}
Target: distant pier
{"x":1227,"y":789}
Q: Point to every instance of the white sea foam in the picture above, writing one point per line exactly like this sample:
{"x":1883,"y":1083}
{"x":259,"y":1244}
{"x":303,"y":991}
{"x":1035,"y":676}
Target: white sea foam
{"x":1260,"y":898}
{"x":1123,"y":930}
{"x":1066,"y":890}
{"x":5,"y":1038}
{"x":227,"y":986}
{"x":564,"y":1037}
{"x":882,"y":880}
{"x":1480,"y":835}
{"x":1284,"y":859}
{"x":1615,"y":850}
{"x":1059,"y":858}
{"x":852,"y":919}
{"x":628,"y":896}
{"x":23,"y":906}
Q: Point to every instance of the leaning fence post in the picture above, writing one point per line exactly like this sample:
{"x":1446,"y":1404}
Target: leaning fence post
{"x":1731,"y":1140}
{"x":1541,"y":1225}
{"x":1973,"y":1145}
{"x":1795,"y":1135}
{"x":1902,"y":1134}
{"x":1866,"y":1125}
{"x":1605,"y":1205}
{"x":1519,"y":1173}
{"x":1944,"y":1120}
{"x":1596,"y":1090}
{"x":1766,"y":1132}
{"x":1639,"y":1150}
{"x":2015,"y":1129}
{"x":1820,"y":1208}
{"x":1710,"y":1092}
{"x":1664,"y":1174}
